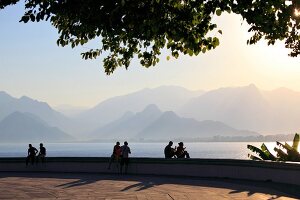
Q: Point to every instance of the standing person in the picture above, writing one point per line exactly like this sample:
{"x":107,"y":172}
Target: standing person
{"x":31,"y":154}
{"x":125,"y":151}
{"x":180,"y":152}
{"x":115,"y":156}
{"x":169,"y":151}
{"x":42,"y":153}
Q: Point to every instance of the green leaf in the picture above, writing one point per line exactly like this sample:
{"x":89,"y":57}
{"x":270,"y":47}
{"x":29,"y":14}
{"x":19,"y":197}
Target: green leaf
{"x":168,"y":57}
{"x":252,"y":157}
{"x":296,"y":142}
{"x":25,"y":19}
{"x":263,"y":155}
{"x":175,"y":54}
{"x":220,"y":31}
{"x":218,"y":12}
{"x":32,"y":17}
{"x":216,"y":42}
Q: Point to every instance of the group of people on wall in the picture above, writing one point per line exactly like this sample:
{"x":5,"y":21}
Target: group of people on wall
{"x":177,"y":152}
{"x":34,"y":156}
{"x":120,"y":154}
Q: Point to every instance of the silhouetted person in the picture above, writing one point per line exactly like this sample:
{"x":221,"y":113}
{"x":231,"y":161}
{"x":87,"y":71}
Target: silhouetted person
{"x":180,"y":151}
{"x":42,"y":153}
{"x":125,"y":151}
{"x":115,"y":156}
{"x":169,"y":151}
{"x":31,"y":154}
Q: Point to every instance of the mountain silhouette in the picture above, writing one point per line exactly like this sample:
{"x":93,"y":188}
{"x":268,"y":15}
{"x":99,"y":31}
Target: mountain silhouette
{"x":240,"y":107}
{"x":165,"y":97}
{"x":128,"y":125}
{"x":26,"y":127}
{"x":170,"y":126}
{"x":9,"y":105}
{"x":152,"y":123}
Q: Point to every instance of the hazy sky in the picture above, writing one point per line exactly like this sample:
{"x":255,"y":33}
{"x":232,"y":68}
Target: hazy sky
{"x":32,"y":64}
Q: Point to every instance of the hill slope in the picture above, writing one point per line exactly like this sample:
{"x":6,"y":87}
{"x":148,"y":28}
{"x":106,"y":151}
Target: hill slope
{"x":153,"y":124}
{"x":165,"y":97}
{"x":26,"y":127}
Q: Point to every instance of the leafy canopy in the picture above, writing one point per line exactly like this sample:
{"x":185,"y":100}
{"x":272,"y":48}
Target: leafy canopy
{"x":127,"y":28}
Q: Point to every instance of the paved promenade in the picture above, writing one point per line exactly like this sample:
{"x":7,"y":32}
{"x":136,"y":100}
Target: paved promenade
{"x":99,"y":186}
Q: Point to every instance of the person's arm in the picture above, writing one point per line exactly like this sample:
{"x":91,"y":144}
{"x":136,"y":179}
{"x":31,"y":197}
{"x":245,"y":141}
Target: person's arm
{"x":129,"y":150}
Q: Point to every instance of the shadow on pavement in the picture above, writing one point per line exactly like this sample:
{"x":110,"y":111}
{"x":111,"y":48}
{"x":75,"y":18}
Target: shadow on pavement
{"x":143,"y":182}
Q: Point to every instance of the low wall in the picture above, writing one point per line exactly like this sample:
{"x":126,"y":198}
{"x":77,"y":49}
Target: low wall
{"x":220,"y":168}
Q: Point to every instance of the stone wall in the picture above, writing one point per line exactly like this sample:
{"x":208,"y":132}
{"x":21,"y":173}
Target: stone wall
{"x":220,"y":168}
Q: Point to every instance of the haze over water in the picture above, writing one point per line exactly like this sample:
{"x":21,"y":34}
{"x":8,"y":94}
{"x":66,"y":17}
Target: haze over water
{"x":228,"y":150}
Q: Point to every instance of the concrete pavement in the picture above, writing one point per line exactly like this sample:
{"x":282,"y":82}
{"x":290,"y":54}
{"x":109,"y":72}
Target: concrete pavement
{"x":32,"y":185}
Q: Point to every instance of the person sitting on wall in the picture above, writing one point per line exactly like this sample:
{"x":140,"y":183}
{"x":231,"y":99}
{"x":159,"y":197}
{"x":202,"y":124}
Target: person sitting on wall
{"x":42,"y":153}
{"x":169,"y":151}
{"x":31,"y":154}
{"x":180,"y":151}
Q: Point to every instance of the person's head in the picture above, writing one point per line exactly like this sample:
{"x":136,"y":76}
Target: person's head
{"x":170,"y":143}
{"x":180,"y":144}
{"x":41,"y":144}
{"x":126,"y":143}
{"x":118,"y":143}
{"x":30,"y":145}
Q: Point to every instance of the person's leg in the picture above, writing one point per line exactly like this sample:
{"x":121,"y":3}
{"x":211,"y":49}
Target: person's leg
{"x":43,"y":158}
{"x":110,"y":161}
{"x":117,"y":160}
{"x":35,"y":159}
{"x":126,"y":165}
{"x":27,"y":160}
{"x":187,"y":155}
{"x":181,"y":155}
{"x":32,"y":160}
{"x":121,"y":165}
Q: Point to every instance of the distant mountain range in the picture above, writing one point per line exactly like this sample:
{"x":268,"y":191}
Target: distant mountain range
{"x":26,"y":127}
{"x":153,"y":124}
{"x":70,"y":111}
{"x":268,"y":112}
{"x":175,"y":112}
{"x":10,"y":105}
{"x":165,"y":97}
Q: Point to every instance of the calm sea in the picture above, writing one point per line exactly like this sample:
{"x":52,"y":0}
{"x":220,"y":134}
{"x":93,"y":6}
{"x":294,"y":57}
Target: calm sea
{"x":233,"y":150}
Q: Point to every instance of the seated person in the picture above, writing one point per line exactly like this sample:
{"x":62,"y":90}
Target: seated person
{"x":180,"y":151}
{"x":42,"y":153}
{"x":31,"y":154}
{"x":169,"y":151}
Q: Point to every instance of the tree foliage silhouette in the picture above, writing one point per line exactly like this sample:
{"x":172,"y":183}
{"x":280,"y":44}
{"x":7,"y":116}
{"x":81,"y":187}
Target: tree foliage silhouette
{"x":284,"y":151}
{"x":143,"y":28}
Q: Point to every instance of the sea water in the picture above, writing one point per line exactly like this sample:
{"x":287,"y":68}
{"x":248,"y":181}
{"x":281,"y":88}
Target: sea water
{"x":230,"y":150}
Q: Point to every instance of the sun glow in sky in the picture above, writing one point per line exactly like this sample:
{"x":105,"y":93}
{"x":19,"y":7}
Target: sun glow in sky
{"x":32,"y":64}
{"x":297,"y":12}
